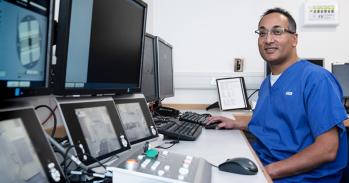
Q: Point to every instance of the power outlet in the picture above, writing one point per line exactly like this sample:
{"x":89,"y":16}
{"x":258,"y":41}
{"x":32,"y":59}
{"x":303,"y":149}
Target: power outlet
{"x":238,"y":65}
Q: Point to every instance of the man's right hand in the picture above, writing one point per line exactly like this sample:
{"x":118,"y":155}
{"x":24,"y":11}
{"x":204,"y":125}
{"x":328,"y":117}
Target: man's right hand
{"x":228,"y":123}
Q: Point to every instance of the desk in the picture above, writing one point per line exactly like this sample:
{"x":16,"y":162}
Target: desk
{"x":218,"y":145}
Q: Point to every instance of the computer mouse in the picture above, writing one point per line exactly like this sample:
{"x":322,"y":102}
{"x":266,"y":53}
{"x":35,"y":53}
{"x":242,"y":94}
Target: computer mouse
{"x":213,"y":125}
{"x":242,"y":166}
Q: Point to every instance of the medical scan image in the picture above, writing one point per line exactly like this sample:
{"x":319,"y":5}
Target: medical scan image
{"x":23,"y":43}
{"x":133,"y":121}
{"x":18,"y":159}
{"x":98,"y":130}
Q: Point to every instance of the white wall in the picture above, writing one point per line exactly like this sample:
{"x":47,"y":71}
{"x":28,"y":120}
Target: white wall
{"x":208,"y":34}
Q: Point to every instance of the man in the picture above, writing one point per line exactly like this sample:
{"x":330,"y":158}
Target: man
{"x":298,"y":119}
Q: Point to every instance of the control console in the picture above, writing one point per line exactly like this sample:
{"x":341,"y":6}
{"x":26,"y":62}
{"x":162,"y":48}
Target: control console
{"x":163,"y":166}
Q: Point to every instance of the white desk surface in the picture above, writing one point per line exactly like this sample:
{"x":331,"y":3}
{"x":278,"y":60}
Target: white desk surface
{"x":218,"y":145}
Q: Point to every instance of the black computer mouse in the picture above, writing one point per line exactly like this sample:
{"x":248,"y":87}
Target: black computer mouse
{"x":243,"y":166}
{"x":212,"y":125}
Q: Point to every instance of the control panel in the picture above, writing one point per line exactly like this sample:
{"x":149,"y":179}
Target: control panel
{"x":165,"y":166}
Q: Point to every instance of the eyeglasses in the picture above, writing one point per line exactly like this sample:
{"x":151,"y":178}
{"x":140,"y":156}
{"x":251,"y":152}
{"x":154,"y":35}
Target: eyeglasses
{"x":275,"y":31}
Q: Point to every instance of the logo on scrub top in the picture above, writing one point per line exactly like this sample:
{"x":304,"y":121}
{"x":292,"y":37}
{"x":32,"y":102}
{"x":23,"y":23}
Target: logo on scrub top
{"x":289,"y":93}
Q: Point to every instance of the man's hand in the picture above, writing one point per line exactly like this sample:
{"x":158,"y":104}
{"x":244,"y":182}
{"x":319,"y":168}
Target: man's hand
{"x":229,"y":123}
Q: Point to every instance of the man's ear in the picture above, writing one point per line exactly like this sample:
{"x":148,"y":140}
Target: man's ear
{"x":295,"y":40}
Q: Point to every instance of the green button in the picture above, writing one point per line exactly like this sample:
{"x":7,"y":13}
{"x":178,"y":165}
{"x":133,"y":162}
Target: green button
{"x":152,"y":153}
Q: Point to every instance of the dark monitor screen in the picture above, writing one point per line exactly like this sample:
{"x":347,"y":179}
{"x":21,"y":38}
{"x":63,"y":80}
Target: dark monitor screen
{"x":149,"y":79}
{"x":99,"y":46}
{"x":94,"y":126}
{"x":165,"y":68}
{"x":316,"y":61}
{"x":25,"y":152}
{"x":25,"y":47}
{"x":136,"y":119}
{"x":341,"y":72}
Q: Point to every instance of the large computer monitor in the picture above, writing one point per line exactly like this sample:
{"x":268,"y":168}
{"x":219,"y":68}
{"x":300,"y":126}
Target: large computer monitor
{"x":149,"y":71}
{"x":93,"y":126}
{"x":316,"y":61}
{"x":136,"y":118}
{"x":99,"y":47}
{"x":25,"y":155}
{"x":341,"y":72}
{"x":25,"y":47}
{"x":164,"y":61}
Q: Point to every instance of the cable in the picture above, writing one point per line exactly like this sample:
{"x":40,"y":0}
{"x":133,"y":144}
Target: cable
{"x":212,"y":164}
{"x":49,"y":116}
{"x":64,"y":162}
{"x":96,"y":160}
{"x":173,"y":142}
{"x":252,"y":94}
{"x":54,"y":118}
{"x":107,"y":160}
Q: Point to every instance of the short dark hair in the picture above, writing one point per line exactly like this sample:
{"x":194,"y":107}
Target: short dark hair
{"x":292,"y":26}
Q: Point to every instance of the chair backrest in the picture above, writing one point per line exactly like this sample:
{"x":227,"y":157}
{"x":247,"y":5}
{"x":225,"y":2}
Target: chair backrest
{"x":345,"y":177}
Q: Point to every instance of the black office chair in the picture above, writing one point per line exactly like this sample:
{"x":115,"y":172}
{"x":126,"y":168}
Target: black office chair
{"x":345,"y":177}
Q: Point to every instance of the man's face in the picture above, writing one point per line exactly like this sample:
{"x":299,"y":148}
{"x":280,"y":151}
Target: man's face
{"x":276,"y":49}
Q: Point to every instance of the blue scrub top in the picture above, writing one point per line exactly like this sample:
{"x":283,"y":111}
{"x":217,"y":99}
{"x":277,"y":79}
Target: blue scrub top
{"x":305,"y":102}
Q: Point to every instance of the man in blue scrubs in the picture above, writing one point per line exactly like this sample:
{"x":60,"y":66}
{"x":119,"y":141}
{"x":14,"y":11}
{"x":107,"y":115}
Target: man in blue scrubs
{"x":298,"y":119}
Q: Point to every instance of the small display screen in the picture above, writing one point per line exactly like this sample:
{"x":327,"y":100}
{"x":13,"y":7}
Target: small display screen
{"x":23,"y":43}
{"x":18,"y":155}
{"x":98,"y":130}
{"x":133,"y":121}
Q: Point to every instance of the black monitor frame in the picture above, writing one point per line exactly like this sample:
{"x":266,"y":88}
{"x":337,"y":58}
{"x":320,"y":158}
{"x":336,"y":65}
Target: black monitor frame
{"x":161,"y":95}
{"x":59,"y":71}
{"x":14,"y":92}
{"x":146,"y":115}
{"x":154,"y":96}
{"x":341,"y":80}
{"x":36,"y":135}
{"x":74,"y":130}
{"x":316,"y":61}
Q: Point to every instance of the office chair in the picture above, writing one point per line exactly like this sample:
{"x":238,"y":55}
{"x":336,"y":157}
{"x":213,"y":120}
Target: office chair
{"x":345,"y":176}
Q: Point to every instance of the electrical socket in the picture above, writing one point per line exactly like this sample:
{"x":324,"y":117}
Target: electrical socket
{"x":238,"y":64}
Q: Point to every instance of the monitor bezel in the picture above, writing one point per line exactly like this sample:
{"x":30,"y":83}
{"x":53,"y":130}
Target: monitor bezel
{"x":59,"y":71}
{"x":16,"y":92}
{"x":155,"y":97}
{"x":311,"y":60}
{"x":338,"y":64}
{"x":146,"y":114}
{"x":73,"y":129}
{"x":37,"y":137}
{"x":160,"y":96}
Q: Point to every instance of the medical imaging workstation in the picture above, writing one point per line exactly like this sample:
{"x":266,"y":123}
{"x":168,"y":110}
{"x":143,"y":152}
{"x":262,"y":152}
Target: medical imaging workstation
{"x":80,"y":112}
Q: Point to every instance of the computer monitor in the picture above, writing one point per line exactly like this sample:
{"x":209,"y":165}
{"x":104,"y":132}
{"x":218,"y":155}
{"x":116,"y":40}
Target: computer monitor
{"x":149,"y":75}
{"x":341,"y":72}
{"x":94,"y":127}
{"x":25,"y":47}
{"x":164,"y":61}
{"x":99,"y":47}
{"x":316,"y":61}
{"x":25,"y":153}
{"x":136,"y":119}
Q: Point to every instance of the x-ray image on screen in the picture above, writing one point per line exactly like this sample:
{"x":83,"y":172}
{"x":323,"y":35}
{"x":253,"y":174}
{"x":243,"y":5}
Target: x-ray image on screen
{"x":133,"y":121}
{"x":23,"y":43}
{"x":98,"y":130}
{"x":18,"y":159}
